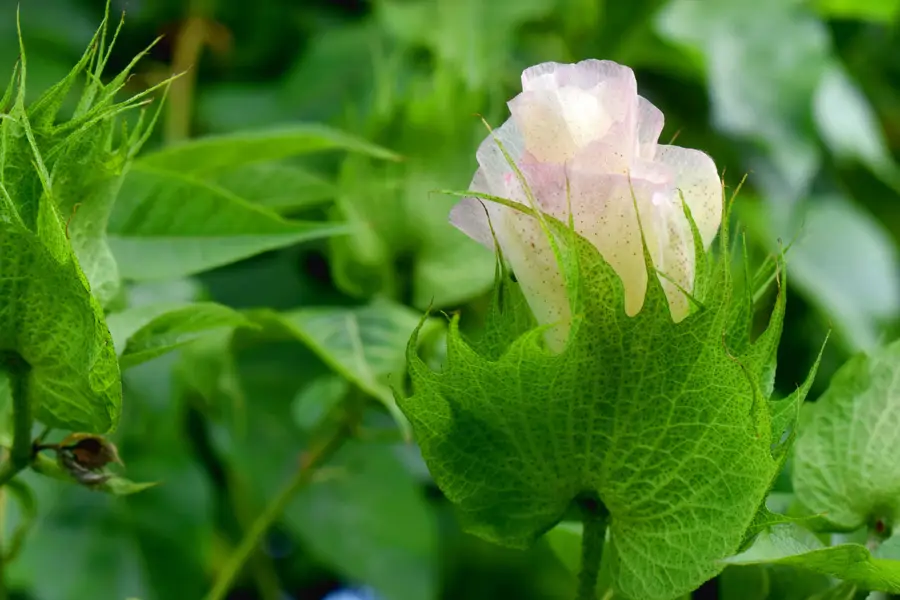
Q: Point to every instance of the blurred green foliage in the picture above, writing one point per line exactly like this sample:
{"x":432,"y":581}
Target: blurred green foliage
{"x":803,"y":96}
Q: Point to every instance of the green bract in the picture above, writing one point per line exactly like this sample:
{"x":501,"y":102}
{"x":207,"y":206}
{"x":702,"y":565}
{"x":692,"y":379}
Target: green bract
{"x":668,"y":425}
{"x":58,"y":181}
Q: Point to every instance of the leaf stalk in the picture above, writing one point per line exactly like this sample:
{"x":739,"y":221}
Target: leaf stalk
{"x":310,"y":462}
{"x":20,"y":455}
{"x":595,"y":519}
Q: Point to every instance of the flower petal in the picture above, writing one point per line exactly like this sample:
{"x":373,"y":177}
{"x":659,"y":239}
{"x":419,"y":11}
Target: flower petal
{"x":496,"y":171}
{"x":470,"y":215}
{"x":698,"y":180}
{"x":650,"y":123}
{"x":540,"y":116}
{"x":565,"y":107}
{"x":604,"y":213}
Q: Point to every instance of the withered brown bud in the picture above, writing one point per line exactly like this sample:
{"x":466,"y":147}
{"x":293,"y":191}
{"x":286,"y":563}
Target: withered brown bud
{"x":84,"y":456}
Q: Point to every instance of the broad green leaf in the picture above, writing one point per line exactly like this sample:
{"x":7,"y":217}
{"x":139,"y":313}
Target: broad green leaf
{"x":71,"y":520}
{"x":847,"y":122}
{"x":470,"y":36}
{"x":749,"y":582}
{"x":313,"y":403}
{"x":842,"y":259}
{"x":846,"y":463}
{"x":369,"y":520}
{"x":870,"y":10}
{"x":145,"y":332}
{"x":668,"y":424}
{"x":757,"y":91}
{"x":168,"y":224}
{"x":282,"y":188}
{"x":227,"y":151}
{"x":364,"y":344}
{"x":794,"y":546}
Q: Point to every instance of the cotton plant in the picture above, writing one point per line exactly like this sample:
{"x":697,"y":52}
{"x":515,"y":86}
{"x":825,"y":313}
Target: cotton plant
{"x":616,"y":380}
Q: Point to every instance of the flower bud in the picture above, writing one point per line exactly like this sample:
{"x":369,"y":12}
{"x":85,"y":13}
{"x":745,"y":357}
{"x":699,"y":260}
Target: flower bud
{"x":581,"y":136}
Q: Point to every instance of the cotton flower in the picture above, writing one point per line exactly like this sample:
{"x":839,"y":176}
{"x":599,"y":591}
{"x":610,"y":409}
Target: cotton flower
{"x":584,"y":125}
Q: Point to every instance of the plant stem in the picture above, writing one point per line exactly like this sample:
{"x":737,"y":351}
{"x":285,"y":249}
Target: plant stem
{"x":593,"y":537}
{"x":20,"y":454}
{"x":254,"y":535}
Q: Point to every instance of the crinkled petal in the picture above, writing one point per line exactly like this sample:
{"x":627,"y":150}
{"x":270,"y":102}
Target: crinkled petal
{"x":586,"y":74}
{"x":698,"y":180}
{"x":565,"y":107}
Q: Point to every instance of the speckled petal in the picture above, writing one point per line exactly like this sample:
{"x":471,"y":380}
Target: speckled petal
{"x":528,"y":251}
{"x":698,"y":180}
{"x":604,"y":214}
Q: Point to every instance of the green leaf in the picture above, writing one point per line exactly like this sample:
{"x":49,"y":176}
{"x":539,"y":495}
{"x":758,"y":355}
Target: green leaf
{"x":843,"y":260}
{"x":313,"y":403}
{"x":470,"y":36}
{"x":794,"y":546}
{"x":667,"y":425}
{"x":167,"y":224}
{"x":845,"y":466}
{"x":279,"y":187}
{"x":78,"y":530}
{"x":369,"y":520}
{"x":749,"y":582}
{"x":364,"y":344}
{"x":848,"y":123}
{"x":145,"y":332}
{"x":221,"y":152}
{"x":871,"y":10}
{"x":756,"y":91}
{"x":405,"y":243}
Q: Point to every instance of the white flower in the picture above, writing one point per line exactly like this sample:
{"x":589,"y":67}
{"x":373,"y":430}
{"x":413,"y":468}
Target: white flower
{"x":586,"y":125}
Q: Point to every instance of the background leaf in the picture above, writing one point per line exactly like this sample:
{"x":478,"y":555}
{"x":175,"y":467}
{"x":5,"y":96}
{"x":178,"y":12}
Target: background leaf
{"x":845,"y":464}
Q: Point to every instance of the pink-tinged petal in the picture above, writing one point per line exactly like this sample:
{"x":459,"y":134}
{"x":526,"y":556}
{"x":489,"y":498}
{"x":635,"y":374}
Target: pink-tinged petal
{"x":565,"y":107}
{"x":698,"y":181}
{"x":495,"y":168}
{"x":650,"y":123}
{"x":586,"y":74}
{"x":470,"y":215}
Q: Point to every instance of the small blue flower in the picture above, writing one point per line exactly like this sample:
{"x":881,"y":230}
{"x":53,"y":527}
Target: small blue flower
{"x":352,"y":594}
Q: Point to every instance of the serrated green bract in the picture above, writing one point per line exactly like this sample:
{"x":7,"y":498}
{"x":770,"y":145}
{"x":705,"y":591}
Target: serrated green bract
{"x":846,"y":466}
{"x":668,"y":424}
{"x":58,"y":180}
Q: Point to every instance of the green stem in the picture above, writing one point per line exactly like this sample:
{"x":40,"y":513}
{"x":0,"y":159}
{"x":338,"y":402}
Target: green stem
{"x":254,"y":535}
{"x":21,"y":452}
{"x":595,"y":518}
